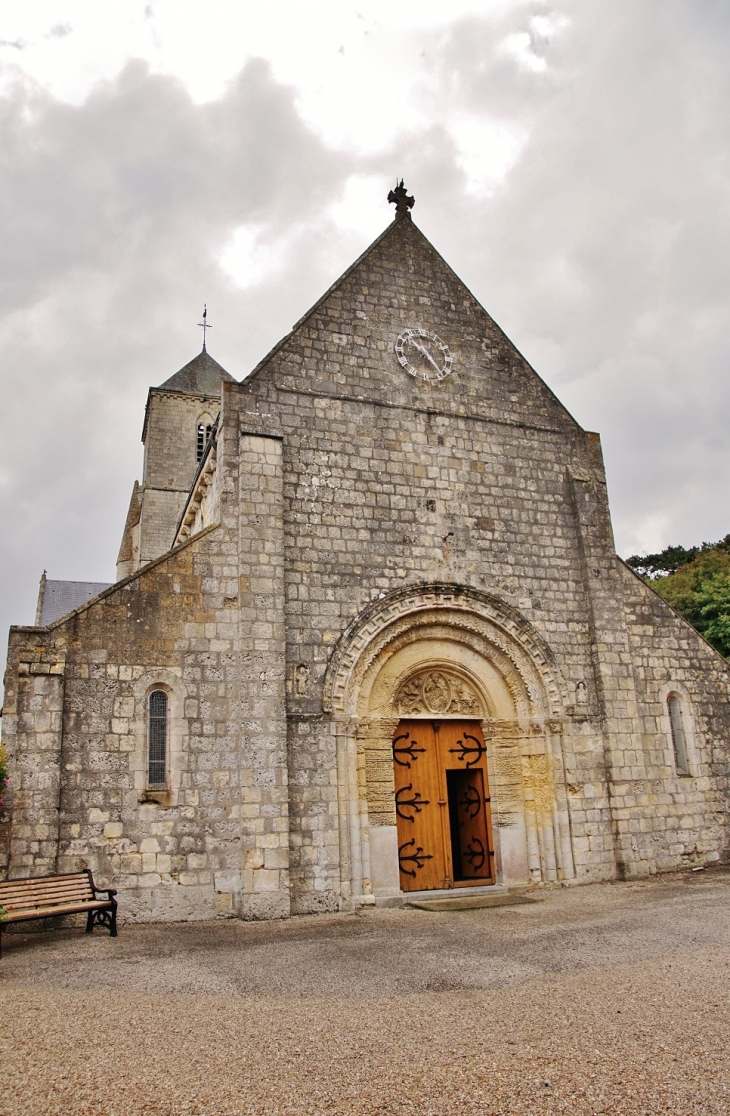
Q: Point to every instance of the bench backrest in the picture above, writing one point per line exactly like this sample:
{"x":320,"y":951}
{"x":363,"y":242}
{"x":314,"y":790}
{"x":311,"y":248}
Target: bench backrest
{"x":45,"y":891}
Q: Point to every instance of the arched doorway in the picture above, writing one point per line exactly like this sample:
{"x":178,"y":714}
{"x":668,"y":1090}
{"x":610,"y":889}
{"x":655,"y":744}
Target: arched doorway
{"x":463,"y":660}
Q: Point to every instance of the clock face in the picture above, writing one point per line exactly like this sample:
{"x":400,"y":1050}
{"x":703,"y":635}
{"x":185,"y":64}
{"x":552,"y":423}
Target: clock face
{"x":423,"y":354}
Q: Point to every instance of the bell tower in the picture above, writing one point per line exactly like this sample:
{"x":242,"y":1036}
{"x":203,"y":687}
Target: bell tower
{"x":178,"y":419}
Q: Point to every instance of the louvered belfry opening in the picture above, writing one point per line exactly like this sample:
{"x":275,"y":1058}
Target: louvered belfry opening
{"x":202,"y":441}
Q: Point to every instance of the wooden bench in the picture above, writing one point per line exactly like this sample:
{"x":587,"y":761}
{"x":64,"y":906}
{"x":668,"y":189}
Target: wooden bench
{"x":53,"y":896}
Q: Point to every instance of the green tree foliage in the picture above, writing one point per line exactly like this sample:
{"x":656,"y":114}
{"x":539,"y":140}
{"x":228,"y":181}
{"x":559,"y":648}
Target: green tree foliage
{"x":695,"y":582}
{"x":672,"y":558}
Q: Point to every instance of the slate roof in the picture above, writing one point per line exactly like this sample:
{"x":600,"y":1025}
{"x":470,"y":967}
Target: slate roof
{"x":56,"y":598}
{"x":202,"y":376}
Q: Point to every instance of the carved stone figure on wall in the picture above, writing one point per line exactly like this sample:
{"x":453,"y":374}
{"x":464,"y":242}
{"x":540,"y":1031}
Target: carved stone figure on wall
{"x":301,"y":680}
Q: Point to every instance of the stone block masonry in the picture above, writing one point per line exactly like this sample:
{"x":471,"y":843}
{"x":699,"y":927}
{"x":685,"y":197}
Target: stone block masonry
{"x":76,"y":716}
{"x":263,"y":756}
{"x":35,"y":700}
{"x":170,"y":437}
{"x":354,"y":529}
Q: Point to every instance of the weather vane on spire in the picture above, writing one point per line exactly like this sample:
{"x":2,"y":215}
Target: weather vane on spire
{"x":205,"y":324}
{"x":403,"y":200}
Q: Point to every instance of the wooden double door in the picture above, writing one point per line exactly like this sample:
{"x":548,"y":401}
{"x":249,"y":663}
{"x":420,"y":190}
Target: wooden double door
{"x":442,"y":805}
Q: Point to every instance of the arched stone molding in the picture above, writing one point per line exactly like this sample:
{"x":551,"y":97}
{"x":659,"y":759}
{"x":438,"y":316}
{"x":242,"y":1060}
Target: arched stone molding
{"x":523,"y":698}
{"x":688,"y":724}
{"x":502,"y":674}
{"x":509,"y":630}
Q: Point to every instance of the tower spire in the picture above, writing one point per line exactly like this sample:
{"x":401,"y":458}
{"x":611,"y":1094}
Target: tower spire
{"x":205,"y":324}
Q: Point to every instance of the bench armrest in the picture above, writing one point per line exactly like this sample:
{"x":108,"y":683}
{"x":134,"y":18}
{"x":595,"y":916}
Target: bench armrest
{"x":109,"y":891}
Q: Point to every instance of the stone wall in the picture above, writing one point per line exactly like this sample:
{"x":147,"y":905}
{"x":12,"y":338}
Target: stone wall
{"x":160,"y":513}
{"x":33,"y":714}
{"x":673,"y":819}
{"x":170,"y":436}
{"x":481,"y":480}
{"x":265,"y":796}
{"x":170,"y":463}
{"x":175,"y":854}
{"x":353,"y":501}
{"x":128,"y":557}
{"x":389,"y":481}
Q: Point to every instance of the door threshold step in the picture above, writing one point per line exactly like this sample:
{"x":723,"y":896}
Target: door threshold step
{"x":471,"y":902}
{"x":454,"y":892}
{"x":411,"y":898}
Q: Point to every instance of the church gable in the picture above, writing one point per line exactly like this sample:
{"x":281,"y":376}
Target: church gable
{"x":400,"y":327}
{"x":397,"y":651}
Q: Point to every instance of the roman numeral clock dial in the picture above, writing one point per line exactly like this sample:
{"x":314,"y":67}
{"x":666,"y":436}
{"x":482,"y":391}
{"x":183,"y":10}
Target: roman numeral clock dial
{"x":423,"y":355}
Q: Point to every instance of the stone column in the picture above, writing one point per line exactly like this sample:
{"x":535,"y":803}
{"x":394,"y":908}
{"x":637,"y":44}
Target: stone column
{"x":560,"y":805}
{"x":264,"y":782}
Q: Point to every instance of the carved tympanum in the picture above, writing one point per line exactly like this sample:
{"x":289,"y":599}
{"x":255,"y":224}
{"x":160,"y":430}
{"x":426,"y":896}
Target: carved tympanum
{"x":437,"y":692}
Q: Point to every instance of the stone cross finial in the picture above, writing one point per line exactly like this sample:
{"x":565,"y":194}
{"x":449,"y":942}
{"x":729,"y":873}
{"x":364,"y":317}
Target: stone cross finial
{"x":403,"y":201}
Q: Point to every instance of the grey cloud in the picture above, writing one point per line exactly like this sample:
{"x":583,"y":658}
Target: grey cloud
{"x":114,"y":212}
{"x":138,"y":164}
{"x":603,"y":255}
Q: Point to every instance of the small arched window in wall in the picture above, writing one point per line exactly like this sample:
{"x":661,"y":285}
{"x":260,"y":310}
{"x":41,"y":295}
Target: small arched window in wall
{"x":204,"y":429}
{"x":157,"y":740}
{"x":679,"y":741}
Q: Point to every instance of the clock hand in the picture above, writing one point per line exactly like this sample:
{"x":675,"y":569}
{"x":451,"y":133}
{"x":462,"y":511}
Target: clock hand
{"x":424,"y":351}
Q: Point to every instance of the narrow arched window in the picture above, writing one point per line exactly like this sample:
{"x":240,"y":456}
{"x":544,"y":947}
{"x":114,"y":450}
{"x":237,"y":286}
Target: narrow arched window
{"x":679,"y":743}
{"x":157,"y":739}
{"x":204,"y":430}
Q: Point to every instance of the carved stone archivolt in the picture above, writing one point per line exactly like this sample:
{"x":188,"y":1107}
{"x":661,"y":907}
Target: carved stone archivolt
{"x":465,"y":609}
{"x":438,"y":692}
{"x":436,"y":642}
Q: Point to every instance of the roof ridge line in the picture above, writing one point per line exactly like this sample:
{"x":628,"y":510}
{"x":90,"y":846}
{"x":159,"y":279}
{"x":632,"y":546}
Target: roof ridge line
{"x":124,"y":582}
{"x":337,"y":283}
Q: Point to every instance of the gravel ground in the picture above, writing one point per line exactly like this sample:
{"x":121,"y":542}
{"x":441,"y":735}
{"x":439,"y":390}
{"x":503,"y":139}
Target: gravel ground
{"x":605,"y":999}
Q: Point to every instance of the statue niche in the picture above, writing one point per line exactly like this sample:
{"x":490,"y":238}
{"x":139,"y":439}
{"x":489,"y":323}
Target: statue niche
{"x":437,"y":693}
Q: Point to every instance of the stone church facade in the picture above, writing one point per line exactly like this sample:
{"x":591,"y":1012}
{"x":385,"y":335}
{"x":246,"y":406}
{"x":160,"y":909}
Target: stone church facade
{"x":369,"y":636}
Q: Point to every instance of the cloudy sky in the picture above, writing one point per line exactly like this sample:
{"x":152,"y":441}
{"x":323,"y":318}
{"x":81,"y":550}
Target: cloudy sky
{"x":569,"y":159}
